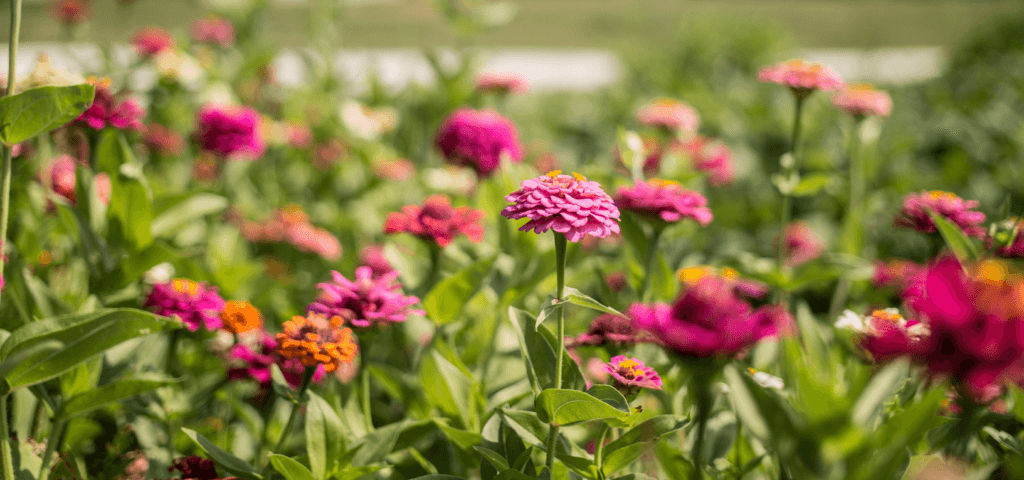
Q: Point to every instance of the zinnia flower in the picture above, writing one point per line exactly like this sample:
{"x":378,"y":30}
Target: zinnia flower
{"x":241,"y":317}
{"x":124,"y":114}
{"x":896,"y":273}
{"x":373,"y":256}
{"x":745,"y":287}
{"x":711,"y":157}
{"x":608,"y":329}
{"x":365,"y":302}
{"x":479,"y":139}
{"x":709,"y":320}
{"x":802,"y":244}
{"x":572,"y":206}
{"x":316,"y":340}
{"x":164,"y":140}
{"x":191,"y":302}
{"x":630,"y":375}
{"x":437,"y":221}
{"x":501,"y":83}
{"x":252,"y":361}
{"x":664,"y":201}
{"x":862,"y":100}
{"x":194,"y":467}
{"x":151,"y":41}
{"x":63,"y":177}
{"x":214,"y":30}
{"x":884,"y":334}
{"x":398,"y":169}
{"x":230,"y":131}
{"x":802,"y":77}
{"x":915,"y":212}
{"x":669,"y":114}
{"x":70,"y":12}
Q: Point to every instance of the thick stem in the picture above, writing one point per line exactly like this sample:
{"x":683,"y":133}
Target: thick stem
{"x":364,"y":387}
{"x":599,"y":450}
{"x":5,"y":196}
{"x":789,"y":169}
{"x":652,"y":253}
{"x":307,"y":377}
{"x":5,"y":450}
{"x":52,"y":445}
{"x":560,"y":246}
{"x":704,"y":402}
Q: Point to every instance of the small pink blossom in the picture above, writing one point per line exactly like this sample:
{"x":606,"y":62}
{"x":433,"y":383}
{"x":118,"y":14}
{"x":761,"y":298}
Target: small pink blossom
{"x":194,"y":303}
{"x":373,"y":256}
{"x":214,"y":31}
{"x":572,"y":206}
{"x":665,"y":201}
{"x":630,"y":374}
{"x":669,"y":114}
{"x":609,"y":329}
{"x":501,"y":83}
{"x":478,"y":139}
{"x":896,"y":273}
{"x":365,"y":302}
{"x":801,"y":77}
{"x":862,"y":100}
{"x":107,"y":110}
{"x":231,"y":132}
{"x":916,"y":208}
{"x":616,"y":281}
{"x":164,"y":140}
{"x":802,"y":244}
{"x":70,"y":12}
{"x":711,"y":157}
{"x":152,"y":40}
{"x":437,"y":221}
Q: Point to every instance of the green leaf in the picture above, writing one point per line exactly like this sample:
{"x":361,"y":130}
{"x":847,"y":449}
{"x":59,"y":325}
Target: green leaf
{"x":538,"y":349}
{"x":638,"y":440}
{"x":583,"y":466}
{"x":673,"y":462}
{"x":511,"y":474}
{"x":185,"y":211}
{"x":112,"y":393}
{"x":955,"y":239}
{"x":634,"y":476}
{"x":1008,"y":441}
{"x":438,"y":477}
{"x":446,"y":300}
{"x":83,"y":336}
{"x":324,"y":438}
{"x":745,"y":406}
{"x":495,"y":458}
{"x":447,"y":387}
{"x":47,"y":347}
{"x":223,"y":459}
{"x":811,"y":184}
{"x":291,"y":469}
{"x":29,"y":113}
{"x":356,"y":472}
{"x":526,"y":424}
{"x":463,"y":439}
{"x":378,"y":444}
{"x":610,"y":395}
{"x":130,"y":213}
{"x":883,"y":385}
{"x":566,"y":407}
{"x":281,"y":386}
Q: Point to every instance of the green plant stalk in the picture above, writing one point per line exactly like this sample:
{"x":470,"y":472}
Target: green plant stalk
{"x":52,"y":445}
{"x":364,"y":387}
{"x":560,"y":246}
{"x":652,"y":253}
{"x":599,"y":451}
{"x":307,"y":377}
{"x":8,"y":463}
{"x":704,"y":402}
{"x":852,"y":238}
{"x":787,"y":195}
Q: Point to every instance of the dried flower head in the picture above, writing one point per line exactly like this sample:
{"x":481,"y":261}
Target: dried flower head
{"x":608,"y":329}
{"x":572,"y":206}
{"x":317,"y":340}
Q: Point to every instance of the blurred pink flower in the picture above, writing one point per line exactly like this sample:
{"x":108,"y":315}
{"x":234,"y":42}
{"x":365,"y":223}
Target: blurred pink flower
{"x":164,"y":140}
{"x":501,"y":83}
{"x":193,"y":303}
{"x":253,"y":362}
{"x":231,"y":132}
{"x":366,"y":301}
{"x":436,"y":221}
{"x":70,"y":12}
{"x":103,"y":187}
{"x":616,"y":281}
{"x":711,"y":157}
{"x":373,"y":256}
{"x":630,"y":374}
{"x":572,"y":206}
{"x":691,"y":276}
{"x":664,"y":201}
{"x":291,"y":224}
{"x":669,"y":114}
{"x":106,"y":110}
{"x":150,"y":41}
{"x":327,"y":154}
{"x":802,"y":244}
{"x":299,"y":136}
{"x":397,"y":169}
{"x":895,"y":273}
{"x":63,"y":177}
{"x":801,"y":77}
{"x":478,"y":139}
{"x":916,"y":207}
{"x":609,"y":329}
{"x":884,"y":334}
{"x":861,"y":100}
{"x":214,"y":31}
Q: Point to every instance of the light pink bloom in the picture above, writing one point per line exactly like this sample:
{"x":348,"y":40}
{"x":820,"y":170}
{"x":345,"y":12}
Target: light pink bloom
{"x":193,"y":303}
{"x":436,"y":221}
{"x":231,"y":132}
{"x":501,"y":83}
{"x":373,"y":256}
{"x":164,"y":140}
{"x":802,"y":77}
{"x":711,"y":157}
{"x":916,"y":207}
{"x":664,"y":201}
{"x":397,"y":170}
{"x":802,"y":244}
{"x":152,"y":40}
{"x":669,"y":114}
{"x":572,"y":206}
{"x":63,"y":177}
{"x":478,"y":139}
{"x":214,"y":30}
{"x":862,"y":100}
{"x":630,"y":374}
{"x":365,"y":302}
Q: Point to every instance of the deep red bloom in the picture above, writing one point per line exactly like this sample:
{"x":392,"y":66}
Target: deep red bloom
{"x":437,"y":221}
{"x":194,"y":467}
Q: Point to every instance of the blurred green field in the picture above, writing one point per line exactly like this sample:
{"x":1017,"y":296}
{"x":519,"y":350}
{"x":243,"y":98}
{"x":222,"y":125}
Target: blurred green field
{"x":615,"y":24}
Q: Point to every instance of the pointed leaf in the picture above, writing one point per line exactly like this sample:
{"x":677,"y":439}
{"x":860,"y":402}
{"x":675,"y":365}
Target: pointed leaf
{"x":291,"y":469}
{"x":112,"y":393}
{"x":29,"y":113}
{"x":566,"y":407}
{"x":324,"y":437}
{"x":446,"y":300}
{"x":223,"y":459}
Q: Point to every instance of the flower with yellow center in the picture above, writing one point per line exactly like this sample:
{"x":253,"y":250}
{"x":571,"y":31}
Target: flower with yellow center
{"x":317,"y":340}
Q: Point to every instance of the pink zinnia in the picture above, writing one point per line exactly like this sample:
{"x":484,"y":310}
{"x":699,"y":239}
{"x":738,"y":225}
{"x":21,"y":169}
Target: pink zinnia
{"x":193,"y":303}
{"x":862,"y":100}
{"x":164,"y":140}
{"x":915,"y":212}
{"x":214,"y":30}
{"x":885,"y":334}
{"x":70,"y":12}
{"x":608,"y":329}
{"x":373,"y":256}
{"x":630,"y":375}
{"x":802,"y":244}
{"x":365,"y":302}
{"x":664,"y":201}
{"x":669,"y":114}
{"x":152,"y":40}
{"x":436,"y":221}
{"x":711,"y":157}
{"x":63,"y":177}
{"x":501,"y":83}
{"x":106,"y":110}
{"x":896,"y":273}
{"x":801,"y":77}
{"x":572,"y":206}
{"x":708,"y":320}
{"x":479,"y":139}
{"x":230,"y":131}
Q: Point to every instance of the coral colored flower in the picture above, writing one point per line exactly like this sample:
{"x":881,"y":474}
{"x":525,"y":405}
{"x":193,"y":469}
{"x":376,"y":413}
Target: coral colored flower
{"x":711,"y":157}
{"x":664,"y":200}
{"x":608,"y":329}
{"x":70,"y":12}
{"x":326,"y":155}
{"x":896,"y":273}
{"x":106,"y":110}
{"x":316,"y":340}
{"x":884,"y":334}
{"x":214,"y":31}
{"x":193,"y":303}
{"x":152,"y":40}
{"x":241,"y":317}
{"x":398,"y":170}
{"x":630,"y":374}
{"x":230,"y":131}
{"x":478,"y":139}
{"x":365,"y":302}
{"x":164,"y":140}
{"x":501,"y":83}
{"x":669,"y":114}
{"x":745,"y":287}
{"x":436,"y":221}
{"x":373,"y":256}
{"x":802,"y":77}
{"x":63,"y":177}
{"x":916,"y":207}
{"x":572,"y":206}
{"x":708,"y":319}
{"x":802,"y":244}
{"x":862,"y":100}
{"x":291,"y":224}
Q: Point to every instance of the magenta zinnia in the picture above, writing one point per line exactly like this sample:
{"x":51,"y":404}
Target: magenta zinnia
{"x":213,"y":30}
{"x":572,"y":206}
{"x":802,"y":244}
{"x":365,"y":302}
{"x":669,"y":114}
{"x":664,"y":201}
{"x":916,"y":208}
{"x":194,"y":303}
{"x":711,"y":157}
{"x":437,"y":221}
{"x":801,"y":77}
{"x":107,"y":110}
{"x":630,"y":374}
{"x":230,"y":131}
{"x":608,"y":329}
{"x":862,"y":100}
{"x":151,"y":41}
{"x":479,"y":139}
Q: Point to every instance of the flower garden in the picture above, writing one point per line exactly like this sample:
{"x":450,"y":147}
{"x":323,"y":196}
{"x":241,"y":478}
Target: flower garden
{"x":730,"y":266}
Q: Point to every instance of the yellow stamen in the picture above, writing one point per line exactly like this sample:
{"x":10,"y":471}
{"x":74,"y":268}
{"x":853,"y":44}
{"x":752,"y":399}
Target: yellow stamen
{"x":578,"y":177}
{"x":185,"y":286}
{"x":887,"y":316}
{"x":554,"y":173}
{"x":729,"y":273}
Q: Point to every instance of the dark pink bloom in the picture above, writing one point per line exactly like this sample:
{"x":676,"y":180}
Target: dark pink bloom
{"x":164,"y":140}
{"x":373,"y":256}
{"x":711,"y":157}
{"x":885,"y":334}
{"x":106,"y":110}
{"x":802,"y":244}
{"x":479,"y":139}
{"x":437,"y":221}
{"x":896,"y":273}
{"x":230,"y":131}
{"x":862,"y":100}
{"x":70,"y":12}
{"x":152,"y":40}
{"x":194,"y":467}
{"x":916,"y":208}
{"x":630,"y":374}
{"x":365,"y":302}
{"x":669,"y":114}
{"x":665,"y":201}
{"x":608,"y":329}
{"x":254,"y":363}
{"x":708,"y":320}
{"x":572,"y":206}
{"x":191,"y":302}
{"x":63,"y":177}
{"x":501,"y":83}
{"x":214,"y":31}
{"x":801,"y":77}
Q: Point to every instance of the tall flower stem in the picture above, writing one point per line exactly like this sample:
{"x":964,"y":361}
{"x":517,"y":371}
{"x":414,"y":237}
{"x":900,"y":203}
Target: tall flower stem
{"x":704,"y":401}
{"x":652,"y":253}
{"x":307,"y":377}
{"x":789,"y":171}
{"x":599,"y":450}
{"x":852,"y":230}
{"x":52,"y":445}
{"x":364,"y":386}
{"x":8,"y":463}
{"x":560,"y":246}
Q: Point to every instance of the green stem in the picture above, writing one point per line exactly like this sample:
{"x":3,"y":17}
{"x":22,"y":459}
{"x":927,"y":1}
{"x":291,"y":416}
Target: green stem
{"x":52,"y":445}
{"x":739,"y":446}
{"x":704,"y":402}
{"x":364,"y":388}
{"x":789,"y":169}
{"x":599,"y":450}
{"x":855,"y":208}
{"x":652,"y":253}
{"x":307,"y":377}
{"x":560,"y":246}
{"x":5,"y":450}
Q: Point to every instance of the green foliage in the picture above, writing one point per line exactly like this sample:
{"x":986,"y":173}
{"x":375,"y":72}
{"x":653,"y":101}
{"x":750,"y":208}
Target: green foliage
{"x":32,"y":112}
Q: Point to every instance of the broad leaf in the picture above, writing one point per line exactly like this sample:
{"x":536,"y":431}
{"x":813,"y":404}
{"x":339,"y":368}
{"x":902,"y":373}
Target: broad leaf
{"x":638,"y":440}
{"x":112,"y":393}
{"x":186,"y":211}
{"x":29,"y":113}
{"x":883,"y":385}
{"x":566,"y":407}
{"x":223,"y":459}
{"x":446,"y":300}
{"x":955,"y":239}
{"x":324,"y":437}
{"x":291,"y":469}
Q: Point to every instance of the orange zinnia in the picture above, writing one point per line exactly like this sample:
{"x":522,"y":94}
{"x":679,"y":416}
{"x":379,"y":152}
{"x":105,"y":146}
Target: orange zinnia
{"x":315,"y":340}
{"x":241,"y":317}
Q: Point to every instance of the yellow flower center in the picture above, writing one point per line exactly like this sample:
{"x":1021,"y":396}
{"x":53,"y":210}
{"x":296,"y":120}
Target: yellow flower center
{"x":939,"y":194}
{"x":659,"y":183}
{"x":186,"y":286}
{"x":887,"y":316}
{"x":578,"y":177}
{"x":992,"y":271}
{"x":693,"y":275}
{"x":554,"y":173}
{"x":729,"y":273}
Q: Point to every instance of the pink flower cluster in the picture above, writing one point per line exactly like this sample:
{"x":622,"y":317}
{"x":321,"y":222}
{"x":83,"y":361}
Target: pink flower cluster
{"x":214,"y":31}
{"x":106,"y":110}
{"x":711,"y":157}
{"x":230,"y":131}
{"x":862,"y":100}
{"x":802,"y":244}
{"x":479,"y":139}
{"x":70,"y":12}
{"x":669,"y":114}
{"x":664,"y":201}
{"x":164,"y":140}
{"x":151,"y":41}
{"x":802,"y":77}
{"x":630,"y":375}
{"x":291,"y":224}
{"x":501,"y":83}
{"x":367,"y":301}
{"x":608,"y":329}
{"x":572,"y":206}
{"x":254,"y":363}
{"x":63,"y":179}
{"x":916,"y":208}
{"x":708,"y":319}
{"x":436,"y":221}
{"x":196,"y":304}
